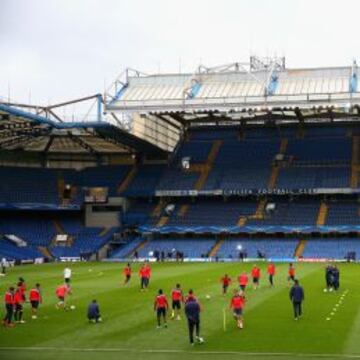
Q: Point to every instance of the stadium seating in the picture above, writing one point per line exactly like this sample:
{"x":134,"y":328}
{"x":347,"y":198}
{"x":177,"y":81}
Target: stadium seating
{"x":85,"y":240}
{"x":320,"y":159}
{"x":189,"y":247}
{"x":242,"y":165}
{"x":100,"y":176}
{"x":313,"y":158}
{"x":270,"y":248}
{"x":331,"y":248}
{"x":28,"y":185}
{"x":35,"y":229}
{"x":124,"y":251}
{"x":212,"y":212}
{"x":38,"y":229}
{"x":314,"y":177}
{"x":343,"y":213}
{"x":174,"y":178}
{"x":145,"y":181}
{"x":300,"y":212}
{"x":139,"y":213}
{"x":12,"y":252}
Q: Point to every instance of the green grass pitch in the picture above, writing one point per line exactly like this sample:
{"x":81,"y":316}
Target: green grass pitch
{"x":129,"y":331}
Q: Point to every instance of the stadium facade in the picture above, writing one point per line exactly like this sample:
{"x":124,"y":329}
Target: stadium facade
{"x":249,"y":160}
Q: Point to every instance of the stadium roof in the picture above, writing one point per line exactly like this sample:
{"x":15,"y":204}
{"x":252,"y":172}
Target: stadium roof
{"x":27,"y":131}
{"x":240,"y":91}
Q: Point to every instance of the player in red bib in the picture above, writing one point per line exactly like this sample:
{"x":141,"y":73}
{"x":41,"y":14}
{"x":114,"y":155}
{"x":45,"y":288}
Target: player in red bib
{"x":127,"y":273}
{"x":177,"y":298}
{"x":271,"y":272}
{"x":190,"y":297}
{"x":243,"y":280}
{"x":237,"y":304}
{"x":226,"y":281}
{"x":161,"y":306}
{"x":22,"y":286}
{"x":35,"y":299}
{"x":9,"y":306}
{"x":255,"y":274}
{"x":291,"y":273}
{"x":61,"y":292}
{"x":19,"y":299}
{"x":145,"y":274}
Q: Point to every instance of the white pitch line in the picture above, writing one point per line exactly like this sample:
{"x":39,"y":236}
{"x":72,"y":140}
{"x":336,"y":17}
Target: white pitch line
{"x":177,"y":351}
{"x":337,"y":305}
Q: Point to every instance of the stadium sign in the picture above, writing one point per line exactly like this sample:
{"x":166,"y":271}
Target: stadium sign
{"x":248,"y":192}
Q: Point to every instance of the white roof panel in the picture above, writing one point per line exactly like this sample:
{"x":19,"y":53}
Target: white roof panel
{"x":238,"y":88}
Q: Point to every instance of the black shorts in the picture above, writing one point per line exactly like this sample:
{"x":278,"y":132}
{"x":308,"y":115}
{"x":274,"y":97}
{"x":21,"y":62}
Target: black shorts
{"x":128,"y":277}
{"x":237,"y":312}
{"x":176,"y":304}
{"x":18,"y":307}
{"x":291,"y":277}
{"x":67,"y":280}
{"x":255,"y":280}
{"x":61,"y":298}
{"x":225,"y":286}
{"x":34,"y":304}
{"x":161,"y":311}
{"x":243,"y":287}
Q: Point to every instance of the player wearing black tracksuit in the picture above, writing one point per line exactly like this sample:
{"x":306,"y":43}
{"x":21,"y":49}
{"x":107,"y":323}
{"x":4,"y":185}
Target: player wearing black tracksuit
{"x":297,"y":297}
{"x":192,"y":312}
{"x":336,"y":278}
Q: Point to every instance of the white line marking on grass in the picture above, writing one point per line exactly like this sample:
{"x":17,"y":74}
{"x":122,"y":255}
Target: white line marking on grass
{"x":177,"y":351}
{"x":337,"y":305}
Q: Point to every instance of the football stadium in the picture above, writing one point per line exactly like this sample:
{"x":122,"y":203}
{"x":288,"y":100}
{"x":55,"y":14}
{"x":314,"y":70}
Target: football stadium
{"x":209,"y":214}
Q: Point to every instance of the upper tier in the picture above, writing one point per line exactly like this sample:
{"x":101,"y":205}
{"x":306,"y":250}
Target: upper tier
{"x":222,"y":160}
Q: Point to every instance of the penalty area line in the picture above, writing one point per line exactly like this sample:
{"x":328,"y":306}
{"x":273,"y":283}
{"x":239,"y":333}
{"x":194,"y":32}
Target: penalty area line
{"x":178,"y":351}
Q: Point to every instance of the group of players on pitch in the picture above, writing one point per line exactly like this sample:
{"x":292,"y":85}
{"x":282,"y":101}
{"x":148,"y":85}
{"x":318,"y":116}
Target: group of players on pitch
{"x":237,"y":303}
{"x":15,"y":299}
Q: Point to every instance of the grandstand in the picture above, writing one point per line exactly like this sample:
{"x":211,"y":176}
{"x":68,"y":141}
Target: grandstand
{"x":252,"y":158}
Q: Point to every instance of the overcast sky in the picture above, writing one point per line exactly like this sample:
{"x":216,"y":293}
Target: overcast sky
{"x":54,"y":50}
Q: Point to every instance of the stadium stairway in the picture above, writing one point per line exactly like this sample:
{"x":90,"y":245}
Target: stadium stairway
{"x":158,"y":208}
{"x":355,"y":167}
{"x":58,"y":227}
{"x":242,"y":221}
{"x":104,"y":231}
{"x":137,"y":248}
{"x":128,"y":179}
{"x":61,"y":188}
{"x":322,"y":215}
{"x":259,"y":213}
{"x":162,"y":221}
{"x":45,"y":251}
{"x":205,"y":170}
{"x":300,"y":247}
{"x":183,"y":210}
{"x":300,"y":134}
{"x":216,"y":248}
{"x":275,"y":170}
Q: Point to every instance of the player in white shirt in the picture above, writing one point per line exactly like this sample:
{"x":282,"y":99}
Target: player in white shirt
{"x":4,"y":265}
{"x":67,"y":276}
